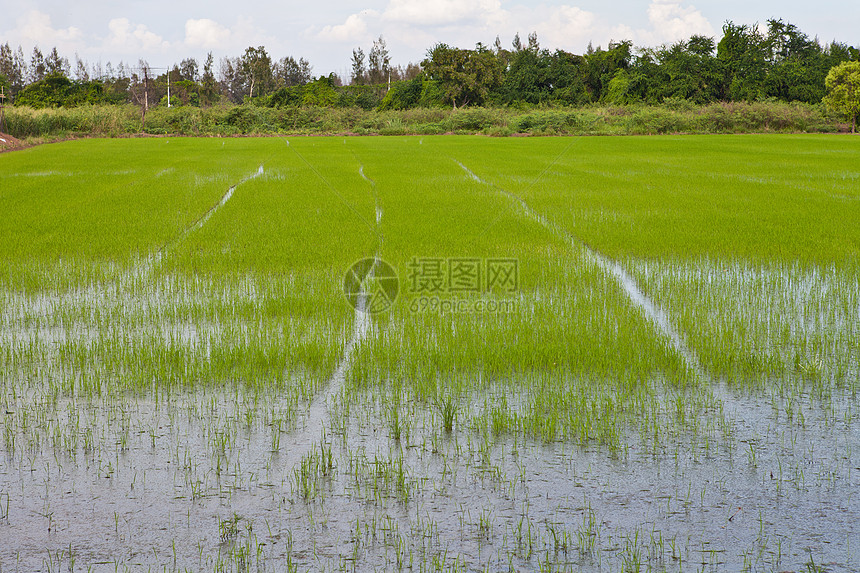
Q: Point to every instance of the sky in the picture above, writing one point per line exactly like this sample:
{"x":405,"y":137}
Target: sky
{"x":163,"y":32}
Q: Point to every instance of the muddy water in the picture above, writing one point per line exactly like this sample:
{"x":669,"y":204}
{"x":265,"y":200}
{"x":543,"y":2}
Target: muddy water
{"x":213,"y":481}
{"x":157,"y":484}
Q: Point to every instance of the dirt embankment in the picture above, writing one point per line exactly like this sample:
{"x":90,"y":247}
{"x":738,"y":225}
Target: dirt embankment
{"x":8,"y":143}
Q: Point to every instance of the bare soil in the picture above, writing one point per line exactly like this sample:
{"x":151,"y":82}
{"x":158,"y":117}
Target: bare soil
{"x":8,"y":143}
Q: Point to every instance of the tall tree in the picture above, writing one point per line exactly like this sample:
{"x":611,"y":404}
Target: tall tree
{"x":188,"y":69}
{"x":208,"y":85}
{"x":290,"y":72}
{"x":21,"y":72}
{"x":56,"y":64}
{"x":359,"y":69}
{"x":743,"y":52}
{"x":256,"y":67}
{"x":687,"y":70}
{"x":231,"y":78}
{"x":465,"y":76}
{"x":81,"y":73}
{"x":528,"y":75}
{"x":566,"y":75}
{"x":37,"y":66}
{"x":8,"y":69}
{"x":843,"y":91}
{"x":603,"y":66}
{"x":378,"y":62}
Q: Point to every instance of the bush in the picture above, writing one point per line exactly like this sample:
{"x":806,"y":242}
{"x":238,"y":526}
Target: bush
{"x":658,"y":121}
{"x":473,"y":119}
{"x":116,"y":120}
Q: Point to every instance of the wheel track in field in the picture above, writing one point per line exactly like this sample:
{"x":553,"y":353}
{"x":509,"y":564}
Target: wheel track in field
{"x":312,"y":433}
{"x":145,"y":267}
{"x":613,"y":269}
{"x":20,"y":307}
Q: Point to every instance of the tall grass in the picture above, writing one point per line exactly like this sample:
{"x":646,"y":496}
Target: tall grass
{"x":115,"y":121}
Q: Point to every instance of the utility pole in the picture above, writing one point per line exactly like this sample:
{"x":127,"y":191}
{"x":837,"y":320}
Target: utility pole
{"x":2,"y":111}
{"x":145,"y":97}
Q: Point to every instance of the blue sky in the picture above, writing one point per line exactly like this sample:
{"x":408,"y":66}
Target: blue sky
{"x":164,"y":32}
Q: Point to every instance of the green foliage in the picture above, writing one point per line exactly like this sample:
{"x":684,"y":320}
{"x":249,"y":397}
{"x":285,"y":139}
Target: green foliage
{"x":747,"y":64}
{"x":674,"y":115}
{"x":685,"y":70}
{"x":602,"y":66}
{"x":403,"y":95}
{"x":59,"y":91}
{"x":567,"y":76}
{"x":360,"y":96}
{"x":466,"y":77}
{"x":618,"y":89}
{"x":256,"y":67}
{"x":843,"y":91}
{"x":320,"y":93}
{"x":432,"y":94}
{"x":528,"y":78}
{"x":743,"y":55}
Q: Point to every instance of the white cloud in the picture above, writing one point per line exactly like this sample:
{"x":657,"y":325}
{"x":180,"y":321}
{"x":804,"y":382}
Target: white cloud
{"x":567,"y":27}
{"x":124,"y":35}
{"x":205,"y":33}
{"x":36,"y":27}
{"x":443,"y":12}
{"x":671,"y":21}
{"x":352,"y":30}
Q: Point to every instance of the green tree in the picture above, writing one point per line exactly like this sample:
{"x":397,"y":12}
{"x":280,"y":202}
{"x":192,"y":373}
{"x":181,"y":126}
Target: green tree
{"x":188,"y":69}
{"x":208,"y":85}
{"x":37,"y":68}
{"x":798,"y":65}
{"x":402,"y":95}
{"x":528,"y":77}
{"x":603,"y":66}
{"x":256,"y":69}
{"x":464,"y":76}
{"x":687,"y":70}
{"x":566,"y":73}
{"x":320,"y":93}
{"x":617,"y":90}
{"x":359,"y":68}
{"x":743,"y":53}
{"x":378,"y":62}
{"x":843,"y":91}
{"x":289,"y":72}
{"x":56,"y":90}
{"x":56,"y":64}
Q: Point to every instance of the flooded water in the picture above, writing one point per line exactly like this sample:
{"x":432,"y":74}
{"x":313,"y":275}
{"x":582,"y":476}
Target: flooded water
{"x":314,"y":474}
{"x":232,"y":481}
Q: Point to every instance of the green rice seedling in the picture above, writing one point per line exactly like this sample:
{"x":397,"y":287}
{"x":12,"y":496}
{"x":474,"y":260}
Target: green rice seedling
{"x":218,"y":331}
{"x":447,"y":407}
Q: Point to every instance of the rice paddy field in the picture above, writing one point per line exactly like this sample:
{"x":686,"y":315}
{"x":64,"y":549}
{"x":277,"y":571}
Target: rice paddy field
{"x":431,"y":354}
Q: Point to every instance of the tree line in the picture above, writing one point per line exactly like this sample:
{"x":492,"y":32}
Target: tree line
{"x":748,"y":63}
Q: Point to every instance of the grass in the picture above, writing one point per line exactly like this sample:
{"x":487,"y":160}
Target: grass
{"x":549,"y":423}
{"x":38,"y":125}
